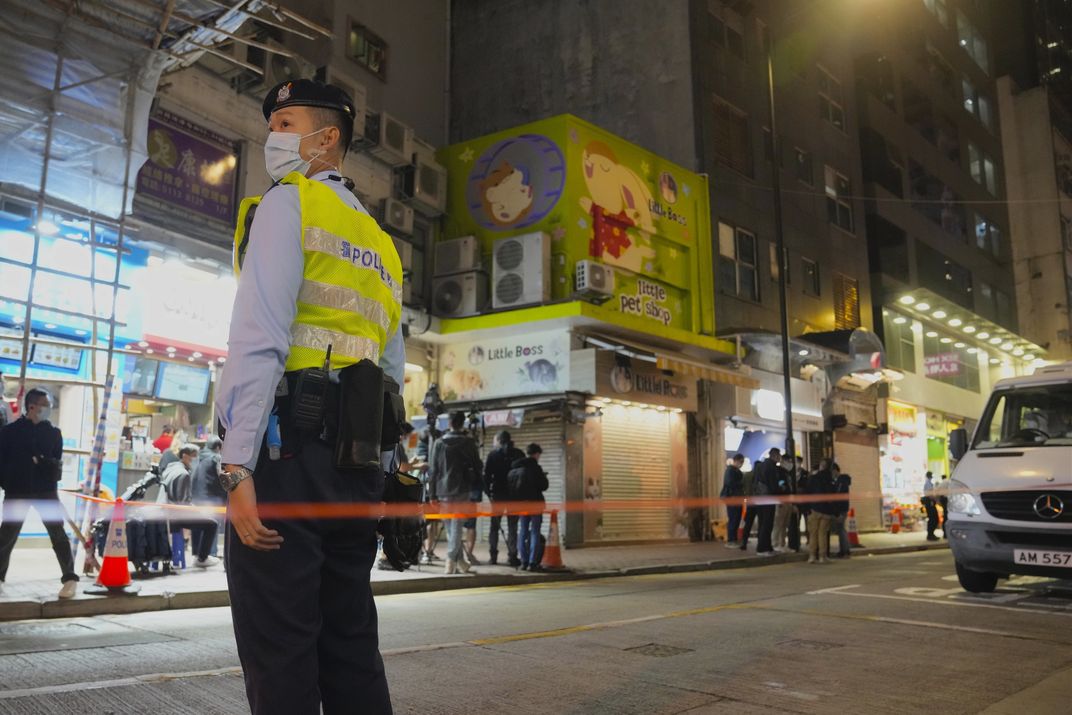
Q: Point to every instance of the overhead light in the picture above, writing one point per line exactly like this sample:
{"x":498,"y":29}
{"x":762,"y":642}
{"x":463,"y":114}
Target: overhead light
{"x":946,"y":341}
{"x":148,"y":351}
{"x":189,"y":359}
{"x":170,"y":349}
{"x":1018,"y":352}
{"x":956,"y":322}
{"x":80,"y":332}
{"x":412,"y":367}
{"x":958,"y":345}
{"x":47,"y":228}
{"x":221,"y":360}
{"x":626,"y":403}
{"x":142,"y":344}
{"x":995,"y":341}
{"x":923,"y":306}
{"x":939,"y":314}
{"x":1029,"y":356}
{"x":196,"y":354}
{"x":932,"y":334}
{"x":972,"y":351}
{"x":995,"y":361}
{"x":969,"y":329}
{"x":50,"y":326}
{"x":907,"y":300}
{"x":899,"y":321}
{"x":1006,"y":346}
{"x":983,"y":335}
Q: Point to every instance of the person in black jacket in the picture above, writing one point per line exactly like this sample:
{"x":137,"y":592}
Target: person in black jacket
{"x":31,"y":450}
{"x":528,"y":482}
{"x":206,"y":486}
{"x":822,"y":514}
{"x":767,"y":479}
{"x":454,"y":469}
{"x":496,"y":467}
{"x":733,"y":488}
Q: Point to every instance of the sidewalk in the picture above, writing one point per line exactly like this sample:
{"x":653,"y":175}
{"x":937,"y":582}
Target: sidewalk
{"x":33,"y":578}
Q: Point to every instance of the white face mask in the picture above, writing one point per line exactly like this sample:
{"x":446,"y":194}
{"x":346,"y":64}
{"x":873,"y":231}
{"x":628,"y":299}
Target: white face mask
{"x":282,"y":155}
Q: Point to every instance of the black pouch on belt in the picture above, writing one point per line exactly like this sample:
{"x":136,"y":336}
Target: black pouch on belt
{"x":360,"y":427}
{"x":394,"y":414}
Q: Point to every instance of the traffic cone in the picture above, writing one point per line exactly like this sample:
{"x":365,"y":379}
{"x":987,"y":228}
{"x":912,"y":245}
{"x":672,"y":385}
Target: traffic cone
{"x":552,"y":552}
{"x":114,"y":576}
{"x":850,"y":527}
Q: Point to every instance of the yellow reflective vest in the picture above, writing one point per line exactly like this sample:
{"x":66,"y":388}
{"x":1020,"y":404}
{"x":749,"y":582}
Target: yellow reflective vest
{"x":351,"y":292}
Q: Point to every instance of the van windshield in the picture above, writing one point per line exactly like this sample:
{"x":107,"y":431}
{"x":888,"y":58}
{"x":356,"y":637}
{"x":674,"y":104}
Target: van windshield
{"x":1037,"y":416}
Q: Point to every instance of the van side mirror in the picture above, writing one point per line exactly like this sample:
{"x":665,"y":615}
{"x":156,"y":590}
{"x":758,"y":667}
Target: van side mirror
{"x":958,"y":443}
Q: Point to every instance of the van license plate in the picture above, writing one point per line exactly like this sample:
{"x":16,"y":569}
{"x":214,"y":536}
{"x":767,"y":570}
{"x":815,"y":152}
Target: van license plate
{"x":1043,"y":558}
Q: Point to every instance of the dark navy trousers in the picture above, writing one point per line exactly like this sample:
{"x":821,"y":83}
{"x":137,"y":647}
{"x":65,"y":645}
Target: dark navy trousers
{"x":304,"y":617}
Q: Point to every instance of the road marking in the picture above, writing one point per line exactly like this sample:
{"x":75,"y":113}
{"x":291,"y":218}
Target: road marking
{"x":116,"y":683}
{"x":843,"y":591}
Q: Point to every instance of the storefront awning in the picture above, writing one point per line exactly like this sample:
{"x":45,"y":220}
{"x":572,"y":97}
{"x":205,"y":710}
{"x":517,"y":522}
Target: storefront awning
{"x":675,"y":361}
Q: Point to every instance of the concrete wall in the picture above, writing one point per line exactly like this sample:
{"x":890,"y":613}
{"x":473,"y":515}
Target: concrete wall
{"x":1040,"y":260}
{"x":620,"y":64}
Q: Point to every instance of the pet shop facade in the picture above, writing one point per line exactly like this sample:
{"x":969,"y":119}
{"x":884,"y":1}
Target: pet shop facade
{"x":574,"y":292}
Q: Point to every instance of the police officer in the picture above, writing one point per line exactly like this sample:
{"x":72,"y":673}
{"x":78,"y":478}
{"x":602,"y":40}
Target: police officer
{"x":319,"y":280}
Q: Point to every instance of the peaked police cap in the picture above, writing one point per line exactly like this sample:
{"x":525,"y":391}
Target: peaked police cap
{"x":307,"y":93}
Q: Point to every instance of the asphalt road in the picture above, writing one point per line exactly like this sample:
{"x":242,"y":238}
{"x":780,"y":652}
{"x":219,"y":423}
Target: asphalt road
{"x":880,"y":634}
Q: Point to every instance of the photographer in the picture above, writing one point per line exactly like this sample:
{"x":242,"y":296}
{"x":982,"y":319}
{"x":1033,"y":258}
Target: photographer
{"x":31,"y":453}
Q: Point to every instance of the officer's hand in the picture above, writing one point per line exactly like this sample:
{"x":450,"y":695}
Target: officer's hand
{"x":242,"y":512}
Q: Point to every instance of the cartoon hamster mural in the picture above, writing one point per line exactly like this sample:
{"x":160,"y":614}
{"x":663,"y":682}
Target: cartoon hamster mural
{"x":619,"y":200}
{"x":506,"y":195}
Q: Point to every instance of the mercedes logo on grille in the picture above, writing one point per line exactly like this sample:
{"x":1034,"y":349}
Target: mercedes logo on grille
{"x":1049,"y":506}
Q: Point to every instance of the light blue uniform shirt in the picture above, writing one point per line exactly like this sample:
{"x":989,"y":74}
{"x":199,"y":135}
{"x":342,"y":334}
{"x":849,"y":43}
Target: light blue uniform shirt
{"x":264,"y":310}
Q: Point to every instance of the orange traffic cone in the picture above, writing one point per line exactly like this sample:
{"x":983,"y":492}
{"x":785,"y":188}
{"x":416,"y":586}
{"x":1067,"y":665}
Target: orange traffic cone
{"x":850,"y":528}
{"x":552,"y":552}
{"x":114,"y":576}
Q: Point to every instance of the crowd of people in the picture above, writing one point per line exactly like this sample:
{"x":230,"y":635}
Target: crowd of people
{"x":777,"y":522}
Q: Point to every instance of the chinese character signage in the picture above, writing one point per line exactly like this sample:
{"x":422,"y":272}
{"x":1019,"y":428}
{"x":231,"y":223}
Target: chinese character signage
{"x":601,"y":199}
{"x":190,"y":168}
{"x":941,"y":365}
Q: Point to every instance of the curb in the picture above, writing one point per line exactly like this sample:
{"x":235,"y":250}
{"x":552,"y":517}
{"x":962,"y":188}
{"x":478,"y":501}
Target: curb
{"x":118,"y":605}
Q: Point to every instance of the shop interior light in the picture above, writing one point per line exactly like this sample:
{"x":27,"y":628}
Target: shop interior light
{"x":169,"y":349}
{"x":1029,"y":357}
{"x":939,"y":314}
{"x":995,"y":341}
{"x":142,"y":344}
{"x":47,"y":228}
{"x":994,"y":361}
{"x":626,"y":403}
{"x":958,"y":345}
{"x":923,"y":306}
{"x":983,"y":335}
{"x":932,"y":334}
{"x":1018,"y":352}
{"x":946,"y":341}
{"x":189,"y":359}
{"x":1006,"y":347}
{"x":899,"y":320}
{"x":412,"y":367}
{"x":221,"y":360}
{"x":148,"y":351}
{"x":955,"y":322}
{"x":80,"y":332}
{"x":50,"y":326}
{"x":803,"y":353}
{"x":677,"y":410}
{"x":907,"y":300}
{"x":972,"y":351}
{"x":969,"y":329}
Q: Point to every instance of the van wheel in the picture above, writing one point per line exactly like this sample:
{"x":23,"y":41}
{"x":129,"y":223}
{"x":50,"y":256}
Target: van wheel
{"x":976,"y":581}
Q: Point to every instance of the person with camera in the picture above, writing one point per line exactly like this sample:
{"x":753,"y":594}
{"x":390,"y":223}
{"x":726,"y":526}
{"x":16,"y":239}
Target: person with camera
{"x":496,"y":468}
{"x":31,"y":453}
{"x":454,"y":468}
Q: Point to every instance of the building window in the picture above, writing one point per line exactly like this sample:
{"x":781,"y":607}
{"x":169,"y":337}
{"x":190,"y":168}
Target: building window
{"x":728,"y":31}
{"x":987,"y":235}
{"x":1004,"y":306}
{"x":982,"y":168}
{"x":774,"y":268}
{"x":831,"y":105}
{"x":846,"y":303}
{"x":738,"y":262}
{"x":977,"y":104}
{"x":803,"y":166}
{"x":944,"y":361}
{"x":368,"y":49}
{"x":971,"y":39}
{"x":838,"y":199}
{"x":732,"y":145}
{"x":809,"y":270}
{"x":939,"y":10}
{"x":900,"y":341}
{"x":984,"y":301}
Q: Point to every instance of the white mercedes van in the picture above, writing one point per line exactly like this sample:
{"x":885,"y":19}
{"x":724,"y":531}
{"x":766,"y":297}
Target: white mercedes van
{"x":1010,"y":496}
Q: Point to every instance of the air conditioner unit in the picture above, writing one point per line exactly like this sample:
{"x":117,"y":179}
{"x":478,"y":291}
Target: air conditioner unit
{"x":388,"y":139}
{"x":521,"y":270}
{"x":356,"y":90}
{"x":457,"y":256}
{"x":594,"y":281}
{"x":424,"y":186}
{"x":276,"y":68}
{"x":405,"y":255}
{"x":397,"y":217}
{"x":459,"y":295}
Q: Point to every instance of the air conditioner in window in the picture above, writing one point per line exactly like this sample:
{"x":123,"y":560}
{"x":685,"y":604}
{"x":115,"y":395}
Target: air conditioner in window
{"x":397,"y":217}
{"x":424,"y":186}
{"x":520,"y":271}
{"x":388,"y":139}
{"x":459,"y":295}
{"x":457,"y":255}
{"x":405,"y":255}
{"x":594,"y":281}
{"x":356,"y":90}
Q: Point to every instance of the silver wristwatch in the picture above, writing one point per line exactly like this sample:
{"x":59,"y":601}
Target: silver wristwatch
{"x":230,"y":480}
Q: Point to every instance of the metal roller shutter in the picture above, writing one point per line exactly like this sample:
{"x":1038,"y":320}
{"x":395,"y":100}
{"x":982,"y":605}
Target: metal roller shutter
{"x":636,"y":465}
{"x":856,"y":452}
{"x":550,"y":436}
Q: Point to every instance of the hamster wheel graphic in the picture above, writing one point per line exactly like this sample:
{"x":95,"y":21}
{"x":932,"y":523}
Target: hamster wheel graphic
{"x":541,"y":163}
